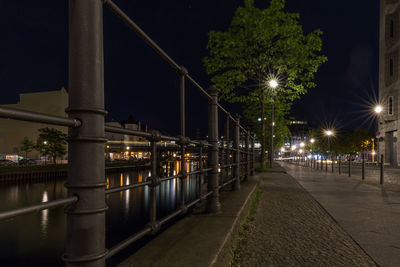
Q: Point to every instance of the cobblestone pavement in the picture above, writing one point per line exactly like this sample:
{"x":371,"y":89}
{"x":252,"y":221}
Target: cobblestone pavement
{"x":291,"y":229}
{"x":367,"y":211}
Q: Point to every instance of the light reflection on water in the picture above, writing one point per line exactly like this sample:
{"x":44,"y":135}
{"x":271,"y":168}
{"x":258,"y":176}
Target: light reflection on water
{"x":45,"y":216}
{"x":39,"y":238}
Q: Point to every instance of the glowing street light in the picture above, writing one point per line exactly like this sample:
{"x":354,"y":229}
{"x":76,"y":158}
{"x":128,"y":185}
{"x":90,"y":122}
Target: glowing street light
{"x":328,"y":133}
{"x":273,"y":83}
{"x":312,"y":140}
{"x":302,"y":144}
{"x":45,"y":142}
{"x":301,"y":151}
{"x":378,"y":109}
{"x":282,"y":149}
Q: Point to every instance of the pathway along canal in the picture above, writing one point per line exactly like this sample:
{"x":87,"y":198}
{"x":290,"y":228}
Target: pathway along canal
{"x":38,"y":239}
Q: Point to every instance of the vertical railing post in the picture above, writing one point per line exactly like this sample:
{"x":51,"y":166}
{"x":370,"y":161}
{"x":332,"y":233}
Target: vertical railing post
{"x":228,"y":151}
{"x":236,"y":143}
{"x":340,"y":165}
{"x":85,"y":234}
{"x":253,"y":155}
{"x":333,"y":162}
{"x":201,"y":170}
{"x":247,"y":155}
{"x":155,"y":181}
{"x":183,"y":140}
{"x":213,"y":204}
{"x":381,"y":170}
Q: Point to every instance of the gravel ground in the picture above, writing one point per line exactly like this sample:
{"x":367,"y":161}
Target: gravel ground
{"x":291,"y":229}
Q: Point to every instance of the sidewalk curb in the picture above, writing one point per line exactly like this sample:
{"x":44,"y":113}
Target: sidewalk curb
{"x":225,"y":253}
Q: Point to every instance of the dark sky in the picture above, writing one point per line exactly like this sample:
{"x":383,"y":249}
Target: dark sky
{"x":34,"y":56}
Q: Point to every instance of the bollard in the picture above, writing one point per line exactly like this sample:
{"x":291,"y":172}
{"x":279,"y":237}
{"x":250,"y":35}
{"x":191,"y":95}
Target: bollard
{"x":213,"y":204}
{"x":349,"y":165}
{"x":362,"y":167}
{"x":321,"y":164}
{"x":381,"y":172}
{"x":340,"y":165}
{"x":326,"y":164}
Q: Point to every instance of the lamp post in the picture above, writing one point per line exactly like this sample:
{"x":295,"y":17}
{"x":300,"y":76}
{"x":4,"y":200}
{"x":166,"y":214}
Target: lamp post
{"x":273,"y":84}
{"x":378,"y":110}
{"x":329,"y":133}
{"x":312,"y":140}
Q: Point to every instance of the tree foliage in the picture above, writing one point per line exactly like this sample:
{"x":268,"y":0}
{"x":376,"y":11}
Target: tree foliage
{"x":344,"y":142}
{"x":51,"y":142}
{"x":27,"y":146}
{"x":260,"y":44}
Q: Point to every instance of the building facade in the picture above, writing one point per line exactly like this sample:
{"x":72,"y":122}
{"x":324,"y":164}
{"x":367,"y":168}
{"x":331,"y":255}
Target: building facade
{"x":389,"y":82}
{"x":12,"y":132}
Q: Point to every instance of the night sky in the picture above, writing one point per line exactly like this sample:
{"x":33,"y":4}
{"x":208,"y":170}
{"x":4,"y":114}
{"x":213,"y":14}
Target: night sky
{"x":34,"y":57}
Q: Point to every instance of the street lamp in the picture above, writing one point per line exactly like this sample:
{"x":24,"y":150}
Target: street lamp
{"x":312,"y":141}
{"x":329,"y":133}
{"x":273,"y":84}
{"x":378,"y":110}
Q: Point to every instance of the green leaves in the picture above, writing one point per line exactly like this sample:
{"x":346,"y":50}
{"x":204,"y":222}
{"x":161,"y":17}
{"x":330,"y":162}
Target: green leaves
{"x":260,"y":43}
{"x":51,"y":142}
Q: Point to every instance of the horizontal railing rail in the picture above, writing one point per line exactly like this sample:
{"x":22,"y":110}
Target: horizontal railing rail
{"x":23,"y":115}
{"x":220,"y":163}
{"x":38,"y":207}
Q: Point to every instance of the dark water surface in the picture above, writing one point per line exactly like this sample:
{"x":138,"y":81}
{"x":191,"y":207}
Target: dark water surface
{"x":37,"y":239}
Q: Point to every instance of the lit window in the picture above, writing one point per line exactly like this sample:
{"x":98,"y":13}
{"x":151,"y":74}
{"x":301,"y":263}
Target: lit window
{"x":390,"y":105}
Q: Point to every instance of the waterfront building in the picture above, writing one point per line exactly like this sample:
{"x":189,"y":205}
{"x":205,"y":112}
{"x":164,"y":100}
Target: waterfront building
{"x":12,"y":132}
{"x":389,"y":83}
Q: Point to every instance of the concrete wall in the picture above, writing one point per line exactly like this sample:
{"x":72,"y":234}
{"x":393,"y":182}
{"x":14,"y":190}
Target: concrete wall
{"x":12,"y":132}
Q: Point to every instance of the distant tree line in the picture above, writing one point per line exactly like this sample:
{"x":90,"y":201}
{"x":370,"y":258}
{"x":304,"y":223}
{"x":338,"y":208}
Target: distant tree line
{"x":50,"y":143}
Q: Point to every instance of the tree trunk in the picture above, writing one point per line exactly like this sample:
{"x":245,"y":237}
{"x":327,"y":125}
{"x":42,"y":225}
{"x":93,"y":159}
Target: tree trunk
{"x":262,"y":130}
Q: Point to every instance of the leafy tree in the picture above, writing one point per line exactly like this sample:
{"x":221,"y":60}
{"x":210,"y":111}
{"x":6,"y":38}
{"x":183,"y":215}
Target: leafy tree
{"x":260,"y":44}
{"x":352,"y":142}
{"x":51,"y":142}
{"x":27,"y":146}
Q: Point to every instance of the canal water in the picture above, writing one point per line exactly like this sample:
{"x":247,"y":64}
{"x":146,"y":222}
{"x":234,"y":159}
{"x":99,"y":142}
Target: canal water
{"x":38,"y":239}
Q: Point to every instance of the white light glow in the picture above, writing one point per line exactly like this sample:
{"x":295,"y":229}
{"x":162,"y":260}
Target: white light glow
{"x":273,"y":83}
{"x":378,"y":109}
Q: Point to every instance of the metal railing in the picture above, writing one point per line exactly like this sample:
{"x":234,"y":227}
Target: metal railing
{"x":85,"y":205}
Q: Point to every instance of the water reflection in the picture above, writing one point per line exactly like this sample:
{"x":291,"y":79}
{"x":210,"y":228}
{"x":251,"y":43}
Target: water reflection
{"x":45,"y":215}
{"x":39,"y":238}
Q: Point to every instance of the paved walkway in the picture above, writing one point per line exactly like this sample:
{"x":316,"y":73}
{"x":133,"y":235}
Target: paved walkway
{"x":291,"y":229}
{"x":369,"y":213}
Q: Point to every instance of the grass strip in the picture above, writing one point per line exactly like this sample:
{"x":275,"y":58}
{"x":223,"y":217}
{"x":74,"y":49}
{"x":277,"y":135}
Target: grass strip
{"x":245,"y":228}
